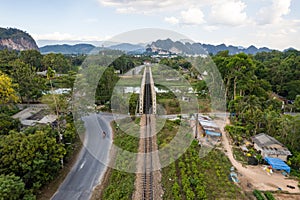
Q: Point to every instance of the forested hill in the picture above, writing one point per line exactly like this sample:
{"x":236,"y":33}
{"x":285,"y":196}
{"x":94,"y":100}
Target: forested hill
{"x":67,"y":49}
{"x":15,"y":39}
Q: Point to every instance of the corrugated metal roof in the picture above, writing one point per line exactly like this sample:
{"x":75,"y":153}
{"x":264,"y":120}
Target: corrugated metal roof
{"x":48,"y":119}
{"x":208,"y":123}
{"x":264,"y":140}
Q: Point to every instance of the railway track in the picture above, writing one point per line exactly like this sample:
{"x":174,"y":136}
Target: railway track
{"x":148,"y":165}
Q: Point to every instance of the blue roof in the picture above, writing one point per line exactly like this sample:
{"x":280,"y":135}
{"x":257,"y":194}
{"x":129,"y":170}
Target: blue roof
{"x":277,"y":163}
{"x":212,"y":133}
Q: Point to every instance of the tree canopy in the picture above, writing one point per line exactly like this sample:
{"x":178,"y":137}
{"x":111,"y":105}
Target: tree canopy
{"x":7,"y":90}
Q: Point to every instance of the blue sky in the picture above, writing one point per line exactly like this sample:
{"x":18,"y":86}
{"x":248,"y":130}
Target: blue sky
{"x":271,"y":23}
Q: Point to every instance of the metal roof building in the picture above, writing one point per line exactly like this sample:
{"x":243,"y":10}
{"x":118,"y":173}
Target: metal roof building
{"x":270,"y":147}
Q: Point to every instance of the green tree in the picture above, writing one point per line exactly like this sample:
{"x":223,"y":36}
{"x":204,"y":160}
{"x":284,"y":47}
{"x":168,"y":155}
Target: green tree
{"x":56,"y":62}
{"x":30,"y":84}
{"x":106,"y":85}
{"x":6,"y":57}
{"x":291,"y":89}
{"x":32,"y":58}
{"x":237,"y":72}
{"x":11,"y":187}
{"x":57,"y":106}
{"x":8,"y":123}
{"x":7,"y":91}
{"x":123,"y":63}
{"x":297,"y":103}
{"x":295,"y":160}
{"x":34,"y":157}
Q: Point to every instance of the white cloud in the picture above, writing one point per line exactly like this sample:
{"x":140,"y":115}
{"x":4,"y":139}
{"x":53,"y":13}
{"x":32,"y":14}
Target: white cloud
{"x":172,"y":20}
{"x":230,"y":12}
{"x":140,"y":6}
{"x":274,"y":12}
{"x":152,"y":6}
{"x":192,"y":16}
{"x":236,"y":20}
{"x":210,"y":28}
{"x":281,"y":35}
{"x":126,"y":10}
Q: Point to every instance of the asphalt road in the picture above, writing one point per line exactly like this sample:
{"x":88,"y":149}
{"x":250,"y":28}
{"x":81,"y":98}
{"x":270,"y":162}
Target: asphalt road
{"x":88,"y":170}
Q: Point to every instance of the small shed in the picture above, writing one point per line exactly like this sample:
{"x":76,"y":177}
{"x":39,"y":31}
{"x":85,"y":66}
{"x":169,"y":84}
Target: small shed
{"x":278,"y":164}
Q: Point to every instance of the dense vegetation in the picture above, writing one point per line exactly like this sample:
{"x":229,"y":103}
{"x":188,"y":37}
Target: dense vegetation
{"x":32,"y":156}
{"x":13,"y":33}
{"x":259,"y":90}
{"x":192,"y":177}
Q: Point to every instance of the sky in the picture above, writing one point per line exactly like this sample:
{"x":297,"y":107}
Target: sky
{"x":271,"y":23}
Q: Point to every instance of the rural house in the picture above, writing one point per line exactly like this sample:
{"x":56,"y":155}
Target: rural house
{"x":270,"y":147}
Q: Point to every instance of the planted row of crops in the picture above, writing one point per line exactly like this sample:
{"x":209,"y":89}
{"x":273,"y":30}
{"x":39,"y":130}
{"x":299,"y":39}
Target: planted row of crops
{"x":191,"y":177}
{"x":263,"y":196}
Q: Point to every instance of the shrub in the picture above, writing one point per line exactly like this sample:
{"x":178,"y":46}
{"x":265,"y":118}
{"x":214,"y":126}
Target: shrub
{"x":269,"y":196}
{"x":258,"y":195}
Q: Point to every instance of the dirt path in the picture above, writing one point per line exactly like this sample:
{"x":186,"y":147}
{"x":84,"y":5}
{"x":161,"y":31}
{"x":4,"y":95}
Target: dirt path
{"x":255,"y":175}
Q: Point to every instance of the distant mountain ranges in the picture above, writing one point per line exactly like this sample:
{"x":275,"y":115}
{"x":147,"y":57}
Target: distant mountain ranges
{"x":200,"y":49}
{"x":168,"y":46}
{"x":15,"y":39}
{"x":67,"y":49}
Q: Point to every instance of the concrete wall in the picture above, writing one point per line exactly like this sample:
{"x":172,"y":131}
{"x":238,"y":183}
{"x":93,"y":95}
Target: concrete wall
{"x":264,"y":154}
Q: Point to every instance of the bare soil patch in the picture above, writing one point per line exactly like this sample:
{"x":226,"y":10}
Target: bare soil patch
{"x":254,"y":177}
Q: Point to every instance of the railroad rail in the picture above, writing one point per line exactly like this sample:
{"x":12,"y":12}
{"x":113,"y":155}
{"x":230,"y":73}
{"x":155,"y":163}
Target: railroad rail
{"x":147,"y":84}
{"x":148,"y":165}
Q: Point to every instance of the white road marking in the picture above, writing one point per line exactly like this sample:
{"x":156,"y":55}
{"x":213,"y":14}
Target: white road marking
{"x":81,"y":166}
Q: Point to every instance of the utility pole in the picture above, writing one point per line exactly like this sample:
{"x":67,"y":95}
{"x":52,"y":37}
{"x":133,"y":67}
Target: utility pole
{"x":50,"y":75}
{"x":196,"y":121}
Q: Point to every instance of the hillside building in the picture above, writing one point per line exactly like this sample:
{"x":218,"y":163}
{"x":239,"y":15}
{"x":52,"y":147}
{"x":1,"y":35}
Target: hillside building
{"x":270,"y":147}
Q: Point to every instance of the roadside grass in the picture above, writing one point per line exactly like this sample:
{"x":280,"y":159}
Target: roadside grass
{"x":118,"y":184}
{"x":130,"y":81}
{"x":167,"y":133}
{"x":172,"y":106}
